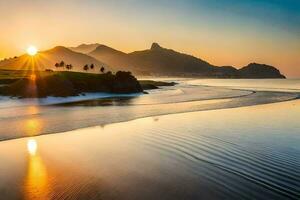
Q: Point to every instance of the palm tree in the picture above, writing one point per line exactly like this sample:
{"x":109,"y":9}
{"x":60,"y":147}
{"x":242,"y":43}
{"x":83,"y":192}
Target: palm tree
{"x":102,"y":69}
{"x":62,"y":64}
{"x":109,"y":73}
{"x":86,"y":67}
{"x":92,"y":66}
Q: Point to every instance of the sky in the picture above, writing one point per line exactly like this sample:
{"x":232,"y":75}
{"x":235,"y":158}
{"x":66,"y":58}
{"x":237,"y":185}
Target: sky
{"x":222,"y":32}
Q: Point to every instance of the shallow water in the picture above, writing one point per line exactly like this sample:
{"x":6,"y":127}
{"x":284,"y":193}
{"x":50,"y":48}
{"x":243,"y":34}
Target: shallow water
{"x":289,"y":85}
{"x":239,"y":153}
{"x":23,"y":117}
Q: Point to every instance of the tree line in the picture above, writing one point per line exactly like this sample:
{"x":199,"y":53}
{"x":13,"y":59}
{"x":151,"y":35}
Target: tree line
{"x":86,"y":67}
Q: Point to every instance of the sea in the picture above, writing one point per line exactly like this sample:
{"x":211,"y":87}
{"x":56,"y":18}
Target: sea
{"x":199,"y":139}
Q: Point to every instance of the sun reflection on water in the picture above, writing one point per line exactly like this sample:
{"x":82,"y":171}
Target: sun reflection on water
{"x":36,"y":185}
{"x":32,"y":147}
{"x":33,"y":126}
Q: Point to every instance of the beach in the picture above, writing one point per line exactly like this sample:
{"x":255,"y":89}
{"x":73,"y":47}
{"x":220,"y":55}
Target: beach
{"x":150,"y":100}
{"x":226,"y":143}
{"x":32,"y":117}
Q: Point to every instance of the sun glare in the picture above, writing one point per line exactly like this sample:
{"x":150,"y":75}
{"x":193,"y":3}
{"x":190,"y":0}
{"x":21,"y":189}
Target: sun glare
{"x":31,"y":146}
{"x":32,"y":77}
{"x":32,"y":50}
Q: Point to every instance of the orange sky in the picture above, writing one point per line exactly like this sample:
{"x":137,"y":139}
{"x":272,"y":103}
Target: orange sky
{"x":206,"y":31}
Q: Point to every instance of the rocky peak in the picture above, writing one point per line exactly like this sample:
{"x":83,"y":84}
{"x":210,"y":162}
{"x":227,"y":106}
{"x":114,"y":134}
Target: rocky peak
{"x":155,"y":46}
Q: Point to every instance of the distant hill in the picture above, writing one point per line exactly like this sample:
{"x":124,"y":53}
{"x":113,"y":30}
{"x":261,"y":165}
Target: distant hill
{"x":255,"y":70}
{"x":160,"y":61}
{"x":47,"y":59}
{"x":117,"y":59}
{"x":85,"y":48}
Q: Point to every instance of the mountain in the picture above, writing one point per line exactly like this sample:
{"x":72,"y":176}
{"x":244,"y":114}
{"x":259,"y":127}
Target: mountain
{"x":155,"y":61}
{"x":160,"y":61}
{"x":255,"y":70}
{"x":117,"y":59}
{"x":47,"y":59}
{"x":85,"y":48}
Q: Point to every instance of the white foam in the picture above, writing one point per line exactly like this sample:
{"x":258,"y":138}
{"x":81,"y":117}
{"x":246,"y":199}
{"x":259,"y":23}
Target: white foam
{"x":12,"y":102}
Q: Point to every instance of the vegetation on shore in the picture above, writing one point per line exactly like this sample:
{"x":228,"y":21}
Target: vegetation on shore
{"x":63,"y":84}
{"x":28,"y":84}
{"x":150,"y":84}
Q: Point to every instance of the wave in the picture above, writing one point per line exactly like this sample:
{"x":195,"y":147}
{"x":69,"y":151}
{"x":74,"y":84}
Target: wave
{"x":31,"y":120}
{"x":275,"y":175}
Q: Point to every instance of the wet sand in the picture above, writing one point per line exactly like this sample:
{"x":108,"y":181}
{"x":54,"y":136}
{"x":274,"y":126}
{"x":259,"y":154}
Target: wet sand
{"x":238,"y":153}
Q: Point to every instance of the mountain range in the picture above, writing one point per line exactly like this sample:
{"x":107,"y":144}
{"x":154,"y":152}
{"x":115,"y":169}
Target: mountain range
{"x":156,"y":61}
{"x":161,"y":61}
{"x":85,"y":48}
{"x":47,"y":60}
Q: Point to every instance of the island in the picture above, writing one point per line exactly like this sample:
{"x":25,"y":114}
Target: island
{"x":39,"y":84}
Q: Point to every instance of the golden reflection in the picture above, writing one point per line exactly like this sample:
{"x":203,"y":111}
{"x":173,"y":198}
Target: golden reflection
{"x":32,"y":110}
{"x":33,"y":77}
{"x":33,"y":127}
{"x":32,"y":146}
{"x":36,"y":184}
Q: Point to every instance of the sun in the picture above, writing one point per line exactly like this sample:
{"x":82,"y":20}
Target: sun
{"x":32,"y":50}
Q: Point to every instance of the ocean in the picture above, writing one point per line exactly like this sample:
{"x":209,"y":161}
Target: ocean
{"x":201,"y":139}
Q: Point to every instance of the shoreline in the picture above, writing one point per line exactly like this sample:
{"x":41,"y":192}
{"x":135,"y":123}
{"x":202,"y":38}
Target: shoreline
{"x":204,"y":151}
{"x":151,"y":116}
{"x":29,"y":120}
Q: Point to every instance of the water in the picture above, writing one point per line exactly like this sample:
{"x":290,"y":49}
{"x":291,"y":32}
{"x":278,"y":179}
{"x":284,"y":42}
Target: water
{"x":289,"y":85}
{"x":250,"y":150}
{"x":23,"y":117}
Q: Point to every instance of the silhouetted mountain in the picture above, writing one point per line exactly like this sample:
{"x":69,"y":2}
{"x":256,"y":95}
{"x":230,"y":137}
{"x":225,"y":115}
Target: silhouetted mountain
{"x":166,"y":62}
{"x":156,"y":61}
{"x":255,"y":70}
{"x":85,"y":48}
{"x":47,"y":59}
{"x":117,"y":59}
{"x":162,"y":61}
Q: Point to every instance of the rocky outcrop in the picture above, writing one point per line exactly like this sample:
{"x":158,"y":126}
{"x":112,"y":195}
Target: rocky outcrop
{"x":63,"y":84}
{"x":124,"y":82}
{"x":255,"y":70}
